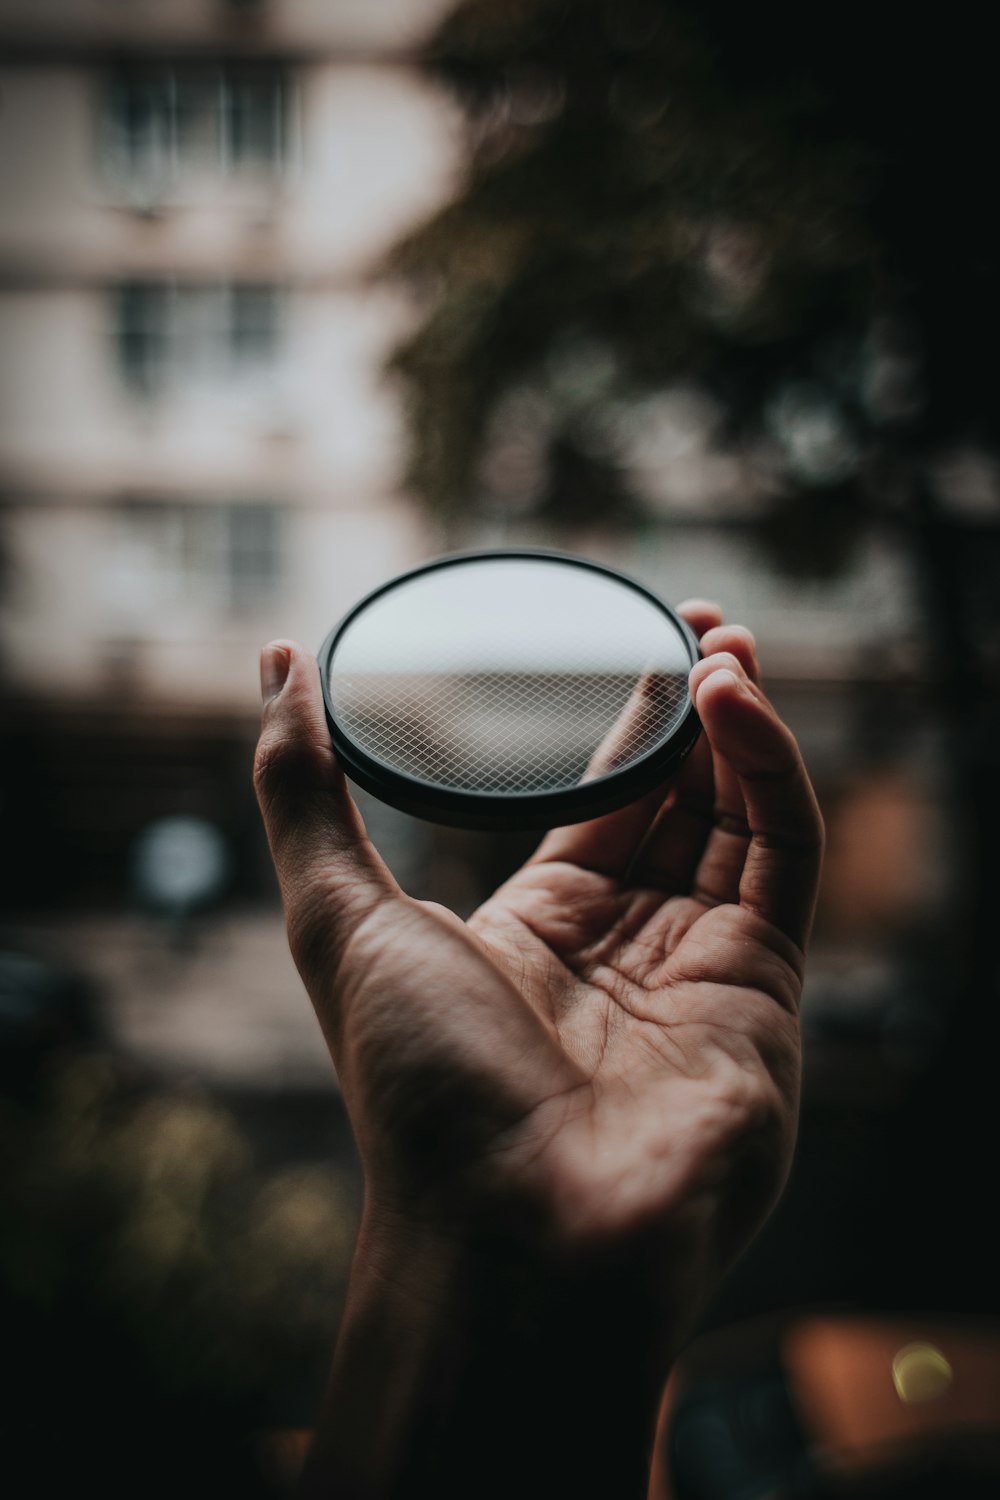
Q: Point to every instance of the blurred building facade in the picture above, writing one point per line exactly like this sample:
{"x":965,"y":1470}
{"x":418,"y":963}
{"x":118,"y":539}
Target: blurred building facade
{"x":196,"y":452}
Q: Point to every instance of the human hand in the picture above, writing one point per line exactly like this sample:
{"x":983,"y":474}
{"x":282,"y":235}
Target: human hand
{"x":601,"y":1067}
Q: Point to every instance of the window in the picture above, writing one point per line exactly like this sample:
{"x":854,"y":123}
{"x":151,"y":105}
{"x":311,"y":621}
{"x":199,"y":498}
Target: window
{"x":169,"y":334}
{"x":164,"y":121}
{"x":252,"y":118}
{"x":251,"y":554}
{"x":172,"y":555}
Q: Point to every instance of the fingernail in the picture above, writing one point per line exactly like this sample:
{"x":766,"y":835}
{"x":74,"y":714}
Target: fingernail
{"x":737,"y":679}
{"x":274,"y":664}
{"x":721,"y":674}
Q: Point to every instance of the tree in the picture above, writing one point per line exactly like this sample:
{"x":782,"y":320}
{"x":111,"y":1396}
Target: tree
{"x":742,"y":201}
{"x":766,"y":226}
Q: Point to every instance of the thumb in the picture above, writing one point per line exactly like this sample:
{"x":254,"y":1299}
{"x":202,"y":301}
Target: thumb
{"x":330,"y":874}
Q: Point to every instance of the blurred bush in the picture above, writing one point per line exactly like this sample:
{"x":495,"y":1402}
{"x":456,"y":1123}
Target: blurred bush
{"x":165,"y":1295}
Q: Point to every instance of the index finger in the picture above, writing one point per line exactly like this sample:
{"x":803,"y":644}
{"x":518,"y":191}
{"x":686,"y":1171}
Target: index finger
{"x":608,"y":844}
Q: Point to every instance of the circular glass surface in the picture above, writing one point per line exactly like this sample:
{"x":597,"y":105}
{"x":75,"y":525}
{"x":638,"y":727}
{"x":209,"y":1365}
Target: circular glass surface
{"x":510,"y":682}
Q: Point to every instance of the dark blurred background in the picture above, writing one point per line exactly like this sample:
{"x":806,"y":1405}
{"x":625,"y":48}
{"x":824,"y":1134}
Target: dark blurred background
{"x":295,"y":294}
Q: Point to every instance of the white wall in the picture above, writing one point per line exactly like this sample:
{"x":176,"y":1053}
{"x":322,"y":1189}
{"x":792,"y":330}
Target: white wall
{"x":381,"y":25}
{"x":373,"y":150}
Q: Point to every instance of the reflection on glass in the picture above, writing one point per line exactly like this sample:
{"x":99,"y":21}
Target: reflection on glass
{"x":509,"y":675}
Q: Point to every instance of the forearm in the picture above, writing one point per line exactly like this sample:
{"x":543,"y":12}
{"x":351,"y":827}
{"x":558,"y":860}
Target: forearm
{"x":461,"y":1372}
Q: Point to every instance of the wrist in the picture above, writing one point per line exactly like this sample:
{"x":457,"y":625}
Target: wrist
{"x":469,"y":1370}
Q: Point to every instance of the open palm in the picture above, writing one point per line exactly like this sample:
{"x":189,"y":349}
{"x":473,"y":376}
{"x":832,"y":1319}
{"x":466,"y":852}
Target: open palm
{"x":606,"y":1055}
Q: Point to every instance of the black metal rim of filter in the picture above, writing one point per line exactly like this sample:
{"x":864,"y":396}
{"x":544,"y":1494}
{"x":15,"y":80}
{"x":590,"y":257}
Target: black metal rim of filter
{"x":497,"y":810}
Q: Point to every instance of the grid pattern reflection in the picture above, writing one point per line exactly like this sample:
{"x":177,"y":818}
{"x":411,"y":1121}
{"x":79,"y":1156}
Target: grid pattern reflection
{"x":508,"y":732}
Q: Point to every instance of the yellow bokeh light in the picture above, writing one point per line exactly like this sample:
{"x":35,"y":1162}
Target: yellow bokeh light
{"x":920,"y":1372}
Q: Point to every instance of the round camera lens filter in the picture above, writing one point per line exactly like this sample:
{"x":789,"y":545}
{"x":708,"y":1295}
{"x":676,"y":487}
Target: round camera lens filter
{"x":509,"y":689}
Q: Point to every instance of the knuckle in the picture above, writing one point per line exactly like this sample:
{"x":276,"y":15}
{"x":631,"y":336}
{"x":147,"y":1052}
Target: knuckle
{"x":282,"y":760}
{"x":732,"y":639}
{"x":743,"y":635}
{"x":724,"y":659}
